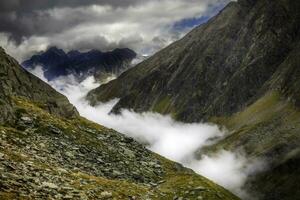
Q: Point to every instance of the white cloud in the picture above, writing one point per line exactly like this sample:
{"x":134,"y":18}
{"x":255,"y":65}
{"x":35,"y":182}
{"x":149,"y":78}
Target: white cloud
{"x":229,"y":169}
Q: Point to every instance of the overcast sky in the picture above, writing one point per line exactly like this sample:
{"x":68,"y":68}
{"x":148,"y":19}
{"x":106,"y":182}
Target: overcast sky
{"x":28,"y":26}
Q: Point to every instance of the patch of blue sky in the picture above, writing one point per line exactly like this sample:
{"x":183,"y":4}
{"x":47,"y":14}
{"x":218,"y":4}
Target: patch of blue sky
{"x":190,"y":23}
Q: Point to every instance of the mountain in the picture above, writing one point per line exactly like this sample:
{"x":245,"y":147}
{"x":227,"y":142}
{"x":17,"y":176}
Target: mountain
{"x":16,"y":82}
{"x":47,"y":151}
{"x":240,"y":70}
{"x":55,"y":62}
{"x":216,"y":69}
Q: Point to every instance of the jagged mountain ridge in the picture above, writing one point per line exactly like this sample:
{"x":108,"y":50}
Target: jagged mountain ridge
{"x":55,"y":62}
{"x":47,"y":151}
{"x":239,"y":70}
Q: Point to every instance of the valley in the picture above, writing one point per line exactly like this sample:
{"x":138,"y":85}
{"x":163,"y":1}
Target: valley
{"x":213,"y":114}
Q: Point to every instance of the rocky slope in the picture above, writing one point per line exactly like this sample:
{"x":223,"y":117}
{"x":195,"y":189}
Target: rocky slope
{"x":15,"y":81}
{"x":47,"y":151}
{"x":241,"y":70}
{"x":55,"y":62}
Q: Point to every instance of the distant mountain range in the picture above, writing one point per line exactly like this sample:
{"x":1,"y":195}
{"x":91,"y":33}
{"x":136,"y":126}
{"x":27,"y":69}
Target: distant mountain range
{"x":55,"y":62}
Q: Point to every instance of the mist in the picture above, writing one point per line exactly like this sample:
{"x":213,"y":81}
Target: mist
{"x":174,"y":140}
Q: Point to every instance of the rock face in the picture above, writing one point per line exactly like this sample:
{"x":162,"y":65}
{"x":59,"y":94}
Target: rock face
{"x":47,"y":151}
{"x":240,"y":70}
{"x":55,"y":62}
{"x":16,"y":82}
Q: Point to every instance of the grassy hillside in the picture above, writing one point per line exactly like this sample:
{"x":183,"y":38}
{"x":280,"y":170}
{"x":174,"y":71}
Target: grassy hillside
{"x":45,"y":156}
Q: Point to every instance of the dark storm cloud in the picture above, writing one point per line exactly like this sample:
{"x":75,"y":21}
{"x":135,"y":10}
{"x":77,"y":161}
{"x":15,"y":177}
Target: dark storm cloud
{"x":23,"y":18}
{"x":20,"y":25}
{"x":30,"y":5}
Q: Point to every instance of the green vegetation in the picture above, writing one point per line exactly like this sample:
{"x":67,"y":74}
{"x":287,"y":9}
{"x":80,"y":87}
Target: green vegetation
{"x":269,"y":122}
{"x":163,"y":105}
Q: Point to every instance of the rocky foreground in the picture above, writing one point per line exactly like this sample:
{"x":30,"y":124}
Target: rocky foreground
{"x":45,"y":157}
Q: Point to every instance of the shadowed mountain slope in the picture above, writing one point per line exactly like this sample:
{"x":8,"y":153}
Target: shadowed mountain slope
{"x":215,"y":70}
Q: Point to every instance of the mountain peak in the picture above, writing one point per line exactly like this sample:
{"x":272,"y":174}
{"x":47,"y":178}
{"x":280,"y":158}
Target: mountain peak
{"x":73,"y":53}
{"x":56,"y":50}
{"x":55,"y":62}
